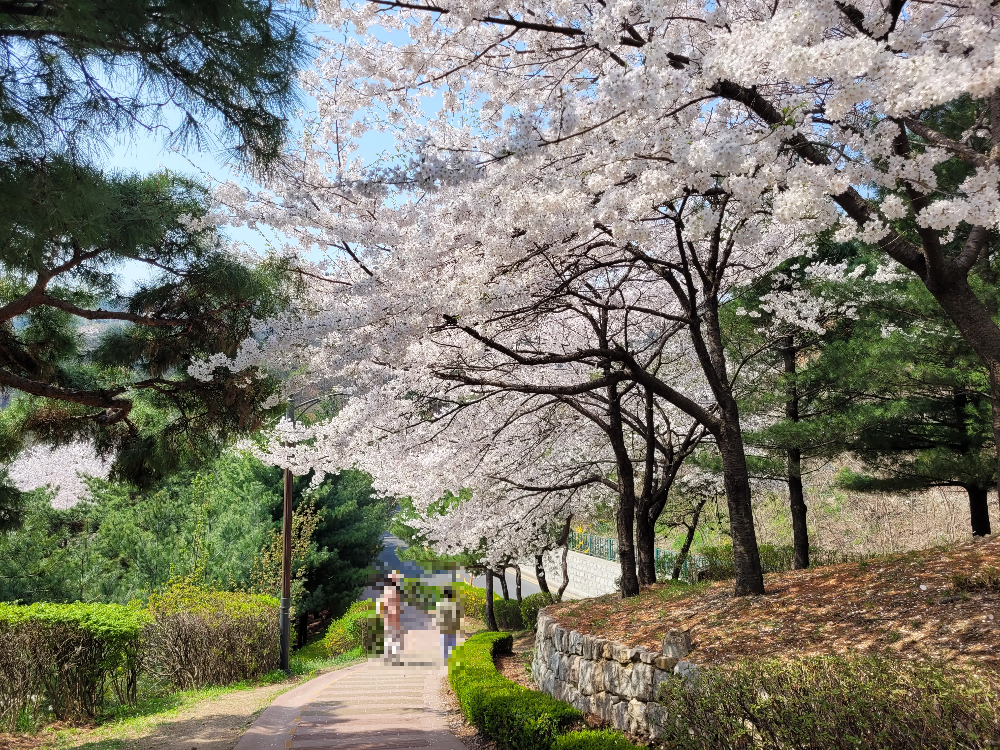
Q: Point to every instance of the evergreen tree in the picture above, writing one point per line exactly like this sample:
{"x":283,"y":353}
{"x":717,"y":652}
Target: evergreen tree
{"x":776,"y":348}
{"x":891,"y":383}
{"x":354,"y":518}
{"x":78,"y":72}
{"x":926,"y":419}
{"x":92,"y":358}
{"x":124,"y":542}
{"x":83,"y":354}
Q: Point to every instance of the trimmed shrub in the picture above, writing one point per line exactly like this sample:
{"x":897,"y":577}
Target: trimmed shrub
{"x":530,"y":606}
{"x":593,"y":740}
{"x":361,"y":626}
{"x":508,"y":614}
{"x":201,"y":637}
{"x":66,"y":658}
{"x":514,"y":716}
{"x":834,"y":703}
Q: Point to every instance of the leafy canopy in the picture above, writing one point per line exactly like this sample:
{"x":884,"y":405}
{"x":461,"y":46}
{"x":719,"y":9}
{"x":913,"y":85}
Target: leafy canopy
{"x":77,"y":71}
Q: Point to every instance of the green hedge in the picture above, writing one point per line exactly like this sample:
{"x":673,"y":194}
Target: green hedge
{"x":834,"y":703}
{"x":201,"y":637}
{"x":517,"y":718}
{"x":508,"y":614}
{"x":67,"y":660}
{"x":589,"y":739}
{"x":530,"y":606}
{"x":360,"y":626}
{"x":64,"y":659}
{"x":510,"y":714}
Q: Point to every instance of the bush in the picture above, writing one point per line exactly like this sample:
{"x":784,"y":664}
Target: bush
{"x":63,"y":658}
{"x":418,"y":594}
{"x":834,"y":703}
{"x":361,"y":626}
{"x":514,"y":716}
{"x":774,"y":558}
{"x":591,"y":740}
{"x":508,"y":614}
{"x":473,"y":600}
{"x":530,"y":606}
{"x":202,"y":637}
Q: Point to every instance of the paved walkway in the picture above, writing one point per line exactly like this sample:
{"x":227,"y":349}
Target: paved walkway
{"x":372,"y":706}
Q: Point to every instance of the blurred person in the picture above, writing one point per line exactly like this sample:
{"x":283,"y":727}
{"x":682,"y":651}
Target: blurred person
{"x":392,"y":614}
{"x":448,"y":618}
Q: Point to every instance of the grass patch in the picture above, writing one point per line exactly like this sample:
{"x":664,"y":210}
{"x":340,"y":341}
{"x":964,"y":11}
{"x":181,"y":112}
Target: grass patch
{"x":834,"y":703}
{"x":120,"y":723}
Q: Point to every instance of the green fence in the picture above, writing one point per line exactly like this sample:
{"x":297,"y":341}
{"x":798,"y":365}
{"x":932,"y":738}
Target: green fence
{"x":607,"y":549}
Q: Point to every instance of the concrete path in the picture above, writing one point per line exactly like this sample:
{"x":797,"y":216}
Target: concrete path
{"x":372,"y":706}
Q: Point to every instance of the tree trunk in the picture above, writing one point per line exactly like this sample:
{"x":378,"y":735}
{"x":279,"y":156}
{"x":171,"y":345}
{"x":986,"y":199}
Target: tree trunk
{"x":645,"y":542}
{"x":517,"y":581}
{"x":797,"y":505}
{"x":625,"y":521}
{"x":502,"y":577}
{"x":974,"y":322}
{"x":645,"y":523}
{"x":688,"y":539}
{"x":625,"y":517}
{"x":746,"y":555}
{"x":979,"y":510}
{"x":995,"y":404}
{"x":540,"y":575}
{"x":565,"y":572}
{"x":491,"y":620}
{"x":796,"y":494}
{"x":301,"y":630}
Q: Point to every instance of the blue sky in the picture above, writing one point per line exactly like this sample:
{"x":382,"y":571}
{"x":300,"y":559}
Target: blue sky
{"x":144,"y":153}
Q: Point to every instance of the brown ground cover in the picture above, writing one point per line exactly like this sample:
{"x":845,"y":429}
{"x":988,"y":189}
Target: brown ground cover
{"x":516,"y":666}
{"x":940,"y":604}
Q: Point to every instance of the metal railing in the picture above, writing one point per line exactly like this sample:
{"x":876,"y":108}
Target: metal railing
{"x":607,"y":549}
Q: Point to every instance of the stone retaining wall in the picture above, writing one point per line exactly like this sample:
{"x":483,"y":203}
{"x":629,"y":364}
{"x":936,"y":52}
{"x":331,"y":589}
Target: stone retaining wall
{"x":617,"y":683}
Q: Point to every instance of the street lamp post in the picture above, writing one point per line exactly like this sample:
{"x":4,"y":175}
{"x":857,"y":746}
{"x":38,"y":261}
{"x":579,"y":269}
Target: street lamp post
{"x":286,"y":561}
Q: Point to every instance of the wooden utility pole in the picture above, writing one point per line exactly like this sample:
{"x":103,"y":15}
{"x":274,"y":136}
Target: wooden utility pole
{"x":286,"y":561}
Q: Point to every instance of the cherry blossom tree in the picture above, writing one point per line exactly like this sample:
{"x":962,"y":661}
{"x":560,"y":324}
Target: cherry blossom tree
{"x":858,"y":100}
{"x":63,"y":469}
{"x":535,"y":435}
{"x":697,"y":141}
{"x":568,"y":320}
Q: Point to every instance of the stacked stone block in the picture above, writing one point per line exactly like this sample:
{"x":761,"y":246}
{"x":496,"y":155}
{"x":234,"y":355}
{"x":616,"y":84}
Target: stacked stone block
{"x":617,"y":683}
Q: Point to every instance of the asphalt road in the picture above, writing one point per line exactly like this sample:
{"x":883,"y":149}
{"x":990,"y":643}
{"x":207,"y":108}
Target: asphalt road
{"x":389,"y":561}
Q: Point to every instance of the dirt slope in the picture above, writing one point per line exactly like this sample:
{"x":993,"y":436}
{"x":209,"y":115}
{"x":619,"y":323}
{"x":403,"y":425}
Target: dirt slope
{"x":941,"y":604}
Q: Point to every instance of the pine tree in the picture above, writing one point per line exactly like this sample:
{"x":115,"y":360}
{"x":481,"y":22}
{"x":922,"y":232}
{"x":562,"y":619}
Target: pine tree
{"x":81,"y":352}
{"x":897,"y":387}
{"x":78,"y":72}
{"x":91,"y":358}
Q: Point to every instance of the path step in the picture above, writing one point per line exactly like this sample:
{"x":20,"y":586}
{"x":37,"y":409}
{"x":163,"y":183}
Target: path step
{"x":373,"y":706}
